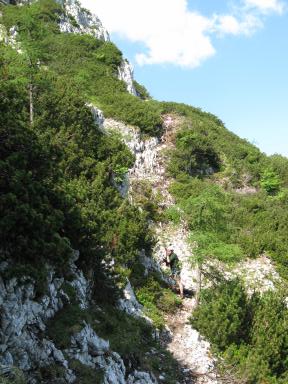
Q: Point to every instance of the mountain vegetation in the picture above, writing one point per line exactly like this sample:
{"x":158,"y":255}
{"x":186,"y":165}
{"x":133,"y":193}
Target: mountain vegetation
{"x":58,"y":181}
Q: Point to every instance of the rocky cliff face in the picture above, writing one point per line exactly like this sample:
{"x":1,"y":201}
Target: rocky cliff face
{"x":125,"y":73}
{"x":80,"y":20}
{"x":25,"y":344}
{"x":23,"y":323}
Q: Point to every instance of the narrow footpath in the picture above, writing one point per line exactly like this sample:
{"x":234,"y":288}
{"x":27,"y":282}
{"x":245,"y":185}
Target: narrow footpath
{"x":188,"y":347}
{"x":185,"y":343}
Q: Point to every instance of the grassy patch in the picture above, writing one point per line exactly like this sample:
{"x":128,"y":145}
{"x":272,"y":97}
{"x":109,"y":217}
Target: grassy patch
{"x":67,"y":322}
{"x":16,"y":377}
{"x":86,"y":375}
{"x":157,"y":300}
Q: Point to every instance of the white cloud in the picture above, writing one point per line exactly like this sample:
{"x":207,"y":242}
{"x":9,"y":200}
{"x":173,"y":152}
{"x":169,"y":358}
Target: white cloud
{"x":173,"y":34}
{"x":230,"y":25}
{"x":266,"y":6}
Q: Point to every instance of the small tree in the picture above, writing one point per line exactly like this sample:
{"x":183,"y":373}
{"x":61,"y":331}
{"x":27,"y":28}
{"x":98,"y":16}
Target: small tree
{"x":270,"y":181}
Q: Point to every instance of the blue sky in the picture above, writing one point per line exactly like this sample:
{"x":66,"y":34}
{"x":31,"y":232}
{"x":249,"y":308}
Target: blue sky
{"x":228,"y":57}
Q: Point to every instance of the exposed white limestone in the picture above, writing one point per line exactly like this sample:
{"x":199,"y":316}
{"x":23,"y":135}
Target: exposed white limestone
{"x":177,"y":237}
{"x":80,"y":20}
{"x":129,"y":303}
{"x":80,"y":284}
{"x":86,"y":346}
{"x":97,"y":115}
{"x":23,"y":320}
{"x":125,"y":73}
{"x":10,"y":37}
{"x":149,"y":164}
{"x":189,"y":347}
{"x":23,"y":343}
{"x":186,"y":344}
{"x":258,"y":275}
{"x":3,"y":33}
{"x":141,"y":378}
{"x":92,"y":351}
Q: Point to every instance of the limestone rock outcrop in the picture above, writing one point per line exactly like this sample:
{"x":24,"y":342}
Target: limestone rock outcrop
{"x":125,"y":73}
{"x":81,"y":21}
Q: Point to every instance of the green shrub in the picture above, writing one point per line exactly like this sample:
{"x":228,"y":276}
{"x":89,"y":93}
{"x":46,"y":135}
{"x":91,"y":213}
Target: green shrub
{"x":194,"y":155}
{"x":65,"y":323}
{"x":156,"y":300}
{"x":210,"y":246}
{"x":223,"y":314}
{"x":173,"y":214}
{"x":270,"y":182}
{"x":250,"y":333}
{"x":86,"y":375}
{"x":51,"y":373}
{"x":15,"y":377}
{"x":141,"y":91}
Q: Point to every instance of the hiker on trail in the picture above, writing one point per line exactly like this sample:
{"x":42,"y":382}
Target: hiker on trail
{"x":174,"y":263}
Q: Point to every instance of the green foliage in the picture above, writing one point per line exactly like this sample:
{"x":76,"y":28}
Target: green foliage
{"x":90,"y":65}
{"x":65,"y":323}
{"x":144,"y":198}
{"x":120,"y":173}
{"x":156,"y":300}
{"x":86,"y":374}
{"x":194,"y":155}
{"x":233,"y":225}
{"x":279,"y":164}
{"x":207,"y":211}
{"x":209,"y":246}
{"x":262,"y":223}
{"x":215,"y":147}
{"x":173,"y":214}
{"x":31,"y":221}
{"x":141,"y":91}
{"x":269,"y":328}
{"x":127,"y":108}
{"x":222,"y":315}
{"x":251,"y":334}
{"x":51,"y":373}
{"x":270,"y":182}
{"x":15,"y":377}
{"x":56,"y":175}
{"x":58,"y":194}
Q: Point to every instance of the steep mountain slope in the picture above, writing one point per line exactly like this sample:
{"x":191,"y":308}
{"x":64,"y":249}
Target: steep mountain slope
{"x":96,"y":180}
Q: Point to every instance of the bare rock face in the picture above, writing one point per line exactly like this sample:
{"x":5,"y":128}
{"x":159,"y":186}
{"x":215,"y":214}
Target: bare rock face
{"x":25,"y":345}
{"x":86,"y":346}
{"x":97,"y":116}
{"x":258,"y":275}
{"x":141,"y":378}
{"x":23,"y":342}
{"x":95,"y":352}
{"x":129,"y":303}
{"x":23,"y":324}
{"x":81,"y":21}
{"x":125,"y":73}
